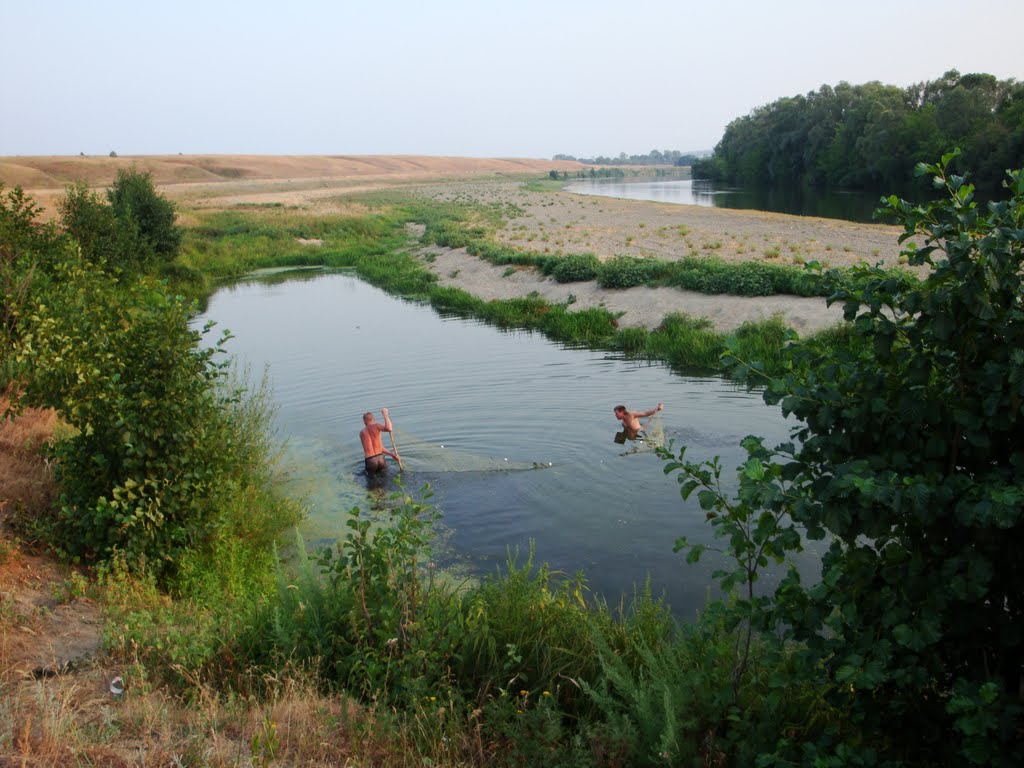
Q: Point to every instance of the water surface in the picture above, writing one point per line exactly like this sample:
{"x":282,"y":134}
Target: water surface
{"x":851,"y":205}
{"x":514,"y":433}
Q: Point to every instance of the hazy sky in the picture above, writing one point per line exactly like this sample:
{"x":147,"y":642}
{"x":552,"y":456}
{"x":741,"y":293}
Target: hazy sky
{"x":445,"y":77}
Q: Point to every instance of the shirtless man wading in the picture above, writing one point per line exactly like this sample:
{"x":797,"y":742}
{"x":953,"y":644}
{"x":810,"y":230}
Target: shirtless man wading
{"x":373,"y":447}
{"x":631,"y":419}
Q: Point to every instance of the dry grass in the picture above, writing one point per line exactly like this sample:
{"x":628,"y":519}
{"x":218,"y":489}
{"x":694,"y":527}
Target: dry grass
{"x":56,"y":171}
{"x":75,"y":720}
{"x":26,"y":482}
{"x":206,"y":176}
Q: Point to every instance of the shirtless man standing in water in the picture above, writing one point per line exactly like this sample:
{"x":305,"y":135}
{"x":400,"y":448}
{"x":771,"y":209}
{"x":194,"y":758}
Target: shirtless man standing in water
{"x":373,"y":447}
{"x":631,"y":419}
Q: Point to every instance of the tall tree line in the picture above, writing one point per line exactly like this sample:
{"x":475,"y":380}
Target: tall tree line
{"x":872,"y":135}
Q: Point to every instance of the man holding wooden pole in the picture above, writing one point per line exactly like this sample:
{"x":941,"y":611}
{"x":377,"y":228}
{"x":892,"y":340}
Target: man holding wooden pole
{"x":373,"y":447}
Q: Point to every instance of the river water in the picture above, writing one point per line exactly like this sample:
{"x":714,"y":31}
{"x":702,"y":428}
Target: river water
{"x":851,"y":205}
{"x":515,"y":434}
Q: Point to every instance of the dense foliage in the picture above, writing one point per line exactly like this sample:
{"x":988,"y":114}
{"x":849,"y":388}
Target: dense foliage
{"x":871,"y":135}
{"x":628,"y":272}
{"x":133,"y":229}
{"x":123,"y":366}
{"x":157,"y":451}
{"x":577,"y":267}
{"x":26,"y":247}
{"x":149,"y":216}
{"x":909,"y":462}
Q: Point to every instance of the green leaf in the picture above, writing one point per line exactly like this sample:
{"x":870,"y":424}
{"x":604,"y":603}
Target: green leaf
{"x":708,"y":500}
{"x":753,"y":469}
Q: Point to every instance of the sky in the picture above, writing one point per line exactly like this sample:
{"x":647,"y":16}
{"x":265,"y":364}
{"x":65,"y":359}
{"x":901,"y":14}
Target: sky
{"x":519,"y":78}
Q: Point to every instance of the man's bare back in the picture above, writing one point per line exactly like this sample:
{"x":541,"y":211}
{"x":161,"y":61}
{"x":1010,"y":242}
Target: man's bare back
{"x":373,"y":446}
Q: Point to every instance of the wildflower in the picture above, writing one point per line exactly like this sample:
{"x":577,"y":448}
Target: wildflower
{"x":546,"y":693}
{"x":524,"y":693}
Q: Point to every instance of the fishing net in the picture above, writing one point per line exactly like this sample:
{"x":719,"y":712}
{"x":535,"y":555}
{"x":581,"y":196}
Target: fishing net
{"x":651,"y":437}
{"x":419,"y":455}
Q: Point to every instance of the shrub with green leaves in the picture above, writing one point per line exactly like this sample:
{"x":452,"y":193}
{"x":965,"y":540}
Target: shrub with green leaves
{"x":576,"y":268}
{"x":126,"y":370}
{"x":28,"y":249}
{"x":369,"y":612}
{"x":628,"y":272}
{"x":133,"y":229}
{"x":148,"y":214}
{"x":909,"y":460}
{"x":749,"y":278}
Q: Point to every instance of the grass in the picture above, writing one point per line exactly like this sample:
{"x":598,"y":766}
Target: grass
{"x":62,"y":721}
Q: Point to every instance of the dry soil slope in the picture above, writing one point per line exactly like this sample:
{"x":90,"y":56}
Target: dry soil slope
{"x":57,"y":171}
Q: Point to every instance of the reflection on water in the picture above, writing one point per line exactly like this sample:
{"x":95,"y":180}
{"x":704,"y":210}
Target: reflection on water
{"x":514,"y":433}
{"x":851,"y":205}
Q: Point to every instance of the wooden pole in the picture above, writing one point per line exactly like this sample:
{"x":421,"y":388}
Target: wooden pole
{"x":395,"y":449}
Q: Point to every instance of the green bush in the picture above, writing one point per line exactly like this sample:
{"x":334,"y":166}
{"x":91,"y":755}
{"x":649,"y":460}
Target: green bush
{"x":369,"y":614}
{"x":28,"y":251}
{"x":749,"y":278}
{"x":906,"y":460}
{"x":454,"y":301}
{"x":595,"y":326}
{"x":578,"y":267}
{"x":667,"y":698}
{"x":685,"y":342}
{"x":148,"y":214}
{"x":763,"y":342}
{"x":123,"y":365}
{"x":631,"y":340}
{"x":629,"y":271}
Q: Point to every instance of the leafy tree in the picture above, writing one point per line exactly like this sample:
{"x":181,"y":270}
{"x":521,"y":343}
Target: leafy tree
{"x":137,"y":204}
{"x":868,"y":135}
{"x":909,"y":461}
{"x":104,"y":238}
{"x":146,"y":459}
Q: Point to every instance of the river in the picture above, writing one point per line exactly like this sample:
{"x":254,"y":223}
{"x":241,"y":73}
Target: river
{"x":851,"y":205}
{"x":515,"y":434}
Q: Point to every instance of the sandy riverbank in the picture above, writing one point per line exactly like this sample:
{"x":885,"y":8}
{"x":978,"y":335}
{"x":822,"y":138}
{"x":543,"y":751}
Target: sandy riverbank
{"x":555,"y":221}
